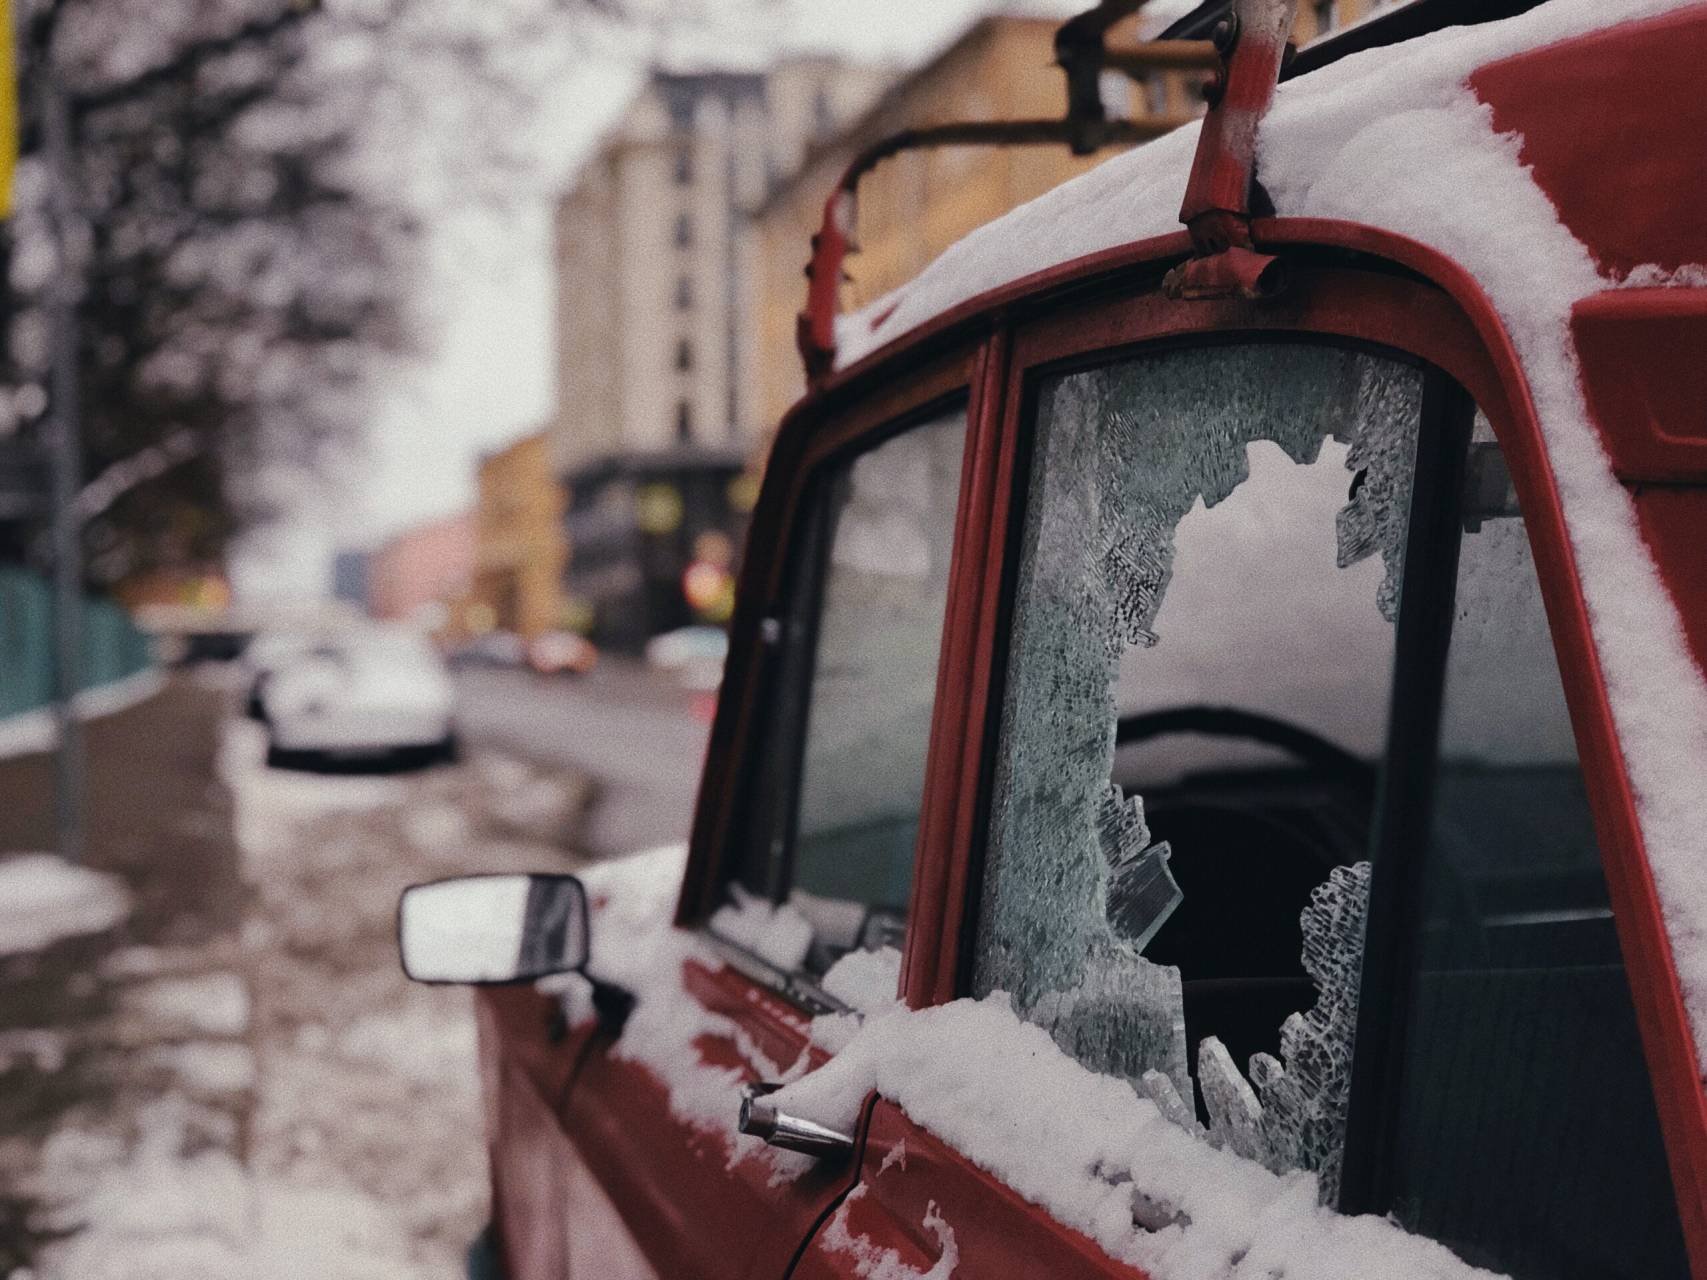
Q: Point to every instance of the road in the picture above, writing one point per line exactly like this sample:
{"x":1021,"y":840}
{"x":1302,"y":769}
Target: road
{"x":635,"y":732}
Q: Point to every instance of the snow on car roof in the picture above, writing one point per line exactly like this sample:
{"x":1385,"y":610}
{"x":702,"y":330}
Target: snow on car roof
{"x":1395,"y":138}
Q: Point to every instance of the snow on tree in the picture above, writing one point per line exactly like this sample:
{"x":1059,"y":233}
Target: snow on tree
{"x":250,"y":183}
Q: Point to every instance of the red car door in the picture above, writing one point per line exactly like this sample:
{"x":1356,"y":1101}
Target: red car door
{"x":1334,"y":716}
{"x":821,"y":849}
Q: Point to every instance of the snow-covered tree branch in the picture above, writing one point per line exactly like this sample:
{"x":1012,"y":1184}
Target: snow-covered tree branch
{"x":251,"y":181}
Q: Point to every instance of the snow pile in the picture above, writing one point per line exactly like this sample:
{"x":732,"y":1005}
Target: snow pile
{"x":176,"y":1208}
{"x":1094,"y":1154}
{"x":214,"y":1004}
{"x":30,"y":732}
{"x":44,"y":898}
{"x":776,"y":933}
{"x":1395,"y":138}
{"x":269,"y":804}
{"x":866,"y":981}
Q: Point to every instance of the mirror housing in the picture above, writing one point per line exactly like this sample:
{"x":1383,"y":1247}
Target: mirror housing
{"x":492,"y":929}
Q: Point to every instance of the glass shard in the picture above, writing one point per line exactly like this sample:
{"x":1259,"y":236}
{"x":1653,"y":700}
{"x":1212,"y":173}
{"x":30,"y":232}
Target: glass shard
{"x":1235,"y":1115}
{"x":1304,"y":1095}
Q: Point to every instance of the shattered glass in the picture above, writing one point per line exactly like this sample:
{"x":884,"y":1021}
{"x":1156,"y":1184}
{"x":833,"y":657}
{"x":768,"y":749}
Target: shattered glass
{"x":1075,"y":888}
{"x":1304,"y":1100}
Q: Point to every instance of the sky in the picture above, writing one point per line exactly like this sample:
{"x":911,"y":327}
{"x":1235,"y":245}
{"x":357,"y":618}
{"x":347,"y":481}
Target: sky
{"x":484,"y":375}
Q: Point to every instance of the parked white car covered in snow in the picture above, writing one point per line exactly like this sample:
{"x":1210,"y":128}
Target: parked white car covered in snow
{"x":370,"y":694}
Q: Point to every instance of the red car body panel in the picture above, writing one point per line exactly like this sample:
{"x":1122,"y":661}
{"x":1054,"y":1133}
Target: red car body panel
{"x":670,"y":1177}
{"x":1625,"y":101}
{"x":907,"y":1177}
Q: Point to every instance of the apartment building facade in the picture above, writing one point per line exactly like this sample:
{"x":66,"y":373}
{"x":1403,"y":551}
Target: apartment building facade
{"x":655,"y":331}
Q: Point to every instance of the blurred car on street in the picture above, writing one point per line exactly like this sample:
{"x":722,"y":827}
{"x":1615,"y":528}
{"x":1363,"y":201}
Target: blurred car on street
{"x":493,"y":649}
{"x":261,"y":660}
{"x":694,"y":654}
{"x":562,"y":653}
{"x":379,"y":694}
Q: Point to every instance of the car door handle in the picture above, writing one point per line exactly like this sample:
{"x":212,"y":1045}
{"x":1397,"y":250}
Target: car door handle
{"x":792,"y":1133}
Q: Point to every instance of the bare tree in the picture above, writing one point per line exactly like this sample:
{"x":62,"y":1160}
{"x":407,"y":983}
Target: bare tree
{"x":251,"y":181}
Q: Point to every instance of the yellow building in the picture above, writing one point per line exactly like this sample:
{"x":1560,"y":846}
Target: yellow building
{"x":519,"y":545}
{"x":915,"y":205}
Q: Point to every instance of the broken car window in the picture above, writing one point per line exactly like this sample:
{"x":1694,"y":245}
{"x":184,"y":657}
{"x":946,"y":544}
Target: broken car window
{"x":1209,"y":572}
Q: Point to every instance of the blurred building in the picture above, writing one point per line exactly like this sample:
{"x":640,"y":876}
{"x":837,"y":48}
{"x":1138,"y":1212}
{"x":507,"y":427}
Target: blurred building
{"x":655,"y":325}
{"x":519,"y":548}
{"x":418,"y":573}
{"x":915,"y":205}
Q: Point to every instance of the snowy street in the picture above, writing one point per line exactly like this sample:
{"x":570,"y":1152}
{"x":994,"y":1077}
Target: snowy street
{"x":242,"y":1083}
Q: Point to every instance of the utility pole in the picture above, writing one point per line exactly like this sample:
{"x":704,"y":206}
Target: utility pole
{"x":65,"y":460}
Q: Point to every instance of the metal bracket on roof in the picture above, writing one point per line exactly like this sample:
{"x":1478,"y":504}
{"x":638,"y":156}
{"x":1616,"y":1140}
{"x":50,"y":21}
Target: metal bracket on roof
{"x":1082,"y":54}
{"x":1252,"y":43}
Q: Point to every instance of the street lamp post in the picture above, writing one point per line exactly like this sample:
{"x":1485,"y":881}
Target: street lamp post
{"x":66,"y":465}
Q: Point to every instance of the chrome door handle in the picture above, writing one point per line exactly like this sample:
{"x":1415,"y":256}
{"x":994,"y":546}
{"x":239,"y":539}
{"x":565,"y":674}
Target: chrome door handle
{"x":791,"y":1133}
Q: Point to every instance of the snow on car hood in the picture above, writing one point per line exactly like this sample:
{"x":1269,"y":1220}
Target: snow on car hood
{"x":1395,"y":138}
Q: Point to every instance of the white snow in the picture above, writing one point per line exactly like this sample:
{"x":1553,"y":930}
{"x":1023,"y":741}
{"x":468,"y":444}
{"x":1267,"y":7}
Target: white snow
{"x":1082,"y":1146}
{"x":43,"y":1050}
{"x":1395,"y":138}
{"x":44,"y":898}
{"x":270,"y":804}
{"x":30,"y":732}
{"x":177,"y":1210}
{"x":775,"y":932}
{"x":208,"y":1067}
{"x":215,"y":1004}
{"x":866,"y":981}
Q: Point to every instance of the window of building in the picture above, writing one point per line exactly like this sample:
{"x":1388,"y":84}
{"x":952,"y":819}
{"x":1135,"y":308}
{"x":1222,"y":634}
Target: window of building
{"x":684,"y":231}
{"x":1327,"y":15}
{"x":684,"y":355}
{"x":684,"y":421}
{"x":684,"y":165}
{"x":684,"y":293}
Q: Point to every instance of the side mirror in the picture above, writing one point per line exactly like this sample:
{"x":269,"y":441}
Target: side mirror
{"x":491,"y":929}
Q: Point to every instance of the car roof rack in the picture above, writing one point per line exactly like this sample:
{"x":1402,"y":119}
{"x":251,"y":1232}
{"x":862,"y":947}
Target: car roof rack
{"x":1082,"y":53}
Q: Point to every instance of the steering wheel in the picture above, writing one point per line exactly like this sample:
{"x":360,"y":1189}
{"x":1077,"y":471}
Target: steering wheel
{"x":1303,"y":744}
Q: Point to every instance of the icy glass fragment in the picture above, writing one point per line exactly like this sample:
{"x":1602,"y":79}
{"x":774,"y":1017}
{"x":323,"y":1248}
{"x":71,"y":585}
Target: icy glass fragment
{"x":1142,"y":893}
{"x":1304,"y":1100}
{"x":1235,"y":1115}
{"x":1160,"y":1090}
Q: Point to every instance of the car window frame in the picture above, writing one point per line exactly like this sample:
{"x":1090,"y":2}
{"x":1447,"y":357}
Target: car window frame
{"x":769,"y":680}
{"x":1397,"y":311}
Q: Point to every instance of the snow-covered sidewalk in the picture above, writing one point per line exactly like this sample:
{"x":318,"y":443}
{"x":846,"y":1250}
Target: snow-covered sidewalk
{"x":273,"y":1099}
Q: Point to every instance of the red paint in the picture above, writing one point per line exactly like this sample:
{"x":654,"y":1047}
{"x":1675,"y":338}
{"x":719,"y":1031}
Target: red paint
{"x":1674,"y":525}
{"x":815,"y":328}
{"x":692,"y":1212}
{"x":1613,"y":125}
{"x":1644,"y":362}
{"x":1217,"y":192}
{"x":997,"y":1232}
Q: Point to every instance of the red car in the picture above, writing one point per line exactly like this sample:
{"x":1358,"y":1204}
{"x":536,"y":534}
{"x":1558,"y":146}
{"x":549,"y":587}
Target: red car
{"x":1211,"y":774}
